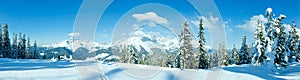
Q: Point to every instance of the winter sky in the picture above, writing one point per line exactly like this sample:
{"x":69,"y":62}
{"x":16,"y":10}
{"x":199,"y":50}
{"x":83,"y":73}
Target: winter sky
{"x":49,"y":21}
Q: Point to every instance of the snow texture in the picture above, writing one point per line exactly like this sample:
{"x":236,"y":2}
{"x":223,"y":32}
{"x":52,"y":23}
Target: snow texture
{"x":12,"y":69}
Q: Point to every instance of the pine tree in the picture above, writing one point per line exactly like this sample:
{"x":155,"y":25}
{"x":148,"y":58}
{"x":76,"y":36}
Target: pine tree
{"x":224,"y":57}
{"x":133,"y":57}
{"x":23,"y":46}
{"x":20,"y":52}
{"x":14,"y":46}
{"x":244,"y":54}
{"x":35,"y":51}
{"x":185,"y":38}
{"x":178,"y":59}
{"x":298,"y":54}
{"x":123,"y":55}
{"x":236,"y":56}
{"x":28,"y":54}
{"x":1,"y":42}
{"x":215,"y":59}
{"x":6,"y":43}
{"x":259,"y":48}
{"x":293,"y":39}
{"x":280,"y":43}
{"x":202,"y":57}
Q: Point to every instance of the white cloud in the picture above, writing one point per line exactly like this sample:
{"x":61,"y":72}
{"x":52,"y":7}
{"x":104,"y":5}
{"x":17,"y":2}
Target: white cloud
{"x":195,"y":22}
{"x":152,"y":17}
{"x":74,"y":34}
{"x":207,"y":22}
{"x":251,"y":24}
{"x":211,"y":23}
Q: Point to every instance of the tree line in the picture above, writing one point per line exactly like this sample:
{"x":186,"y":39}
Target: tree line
{"x":273,"y":46}
{"x":18,"y":49}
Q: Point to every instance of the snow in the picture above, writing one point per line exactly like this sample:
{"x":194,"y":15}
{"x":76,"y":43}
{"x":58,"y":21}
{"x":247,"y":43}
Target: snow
{"x":281,"y":16}
{"x":269,"y":11}
{"x":74,"y":44}
{"x":35,"y":69}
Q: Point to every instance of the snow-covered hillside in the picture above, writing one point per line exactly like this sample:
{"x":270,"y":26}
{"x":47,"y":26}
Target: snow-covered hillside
{"x":13,"y":69}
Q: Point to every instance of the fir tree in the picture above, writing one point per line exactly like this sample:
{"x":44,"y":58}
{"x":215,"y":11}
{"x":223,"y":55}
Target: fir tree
{"x":215,"y":59}
{"x":185,"y":38}
{"x":236,"y":56}
{"x":259,"y":48}
{"x":23,"y":46}
{"x":280,"y":43}
{"x":224,"y":57}
{"x":123,"y":55}
{"x":133,"y":57}
{"x":202,"y":57}
{"x":178,"y":59}
{"x":20,"y":52}
{"x":293,"y":39}
{"x":14,"y":46}
{"x":28,"y":54}
{"x":1,"y":42}
{"x":35,"y":51}
{"x":6,"y":43}
{"x":244,"y":54}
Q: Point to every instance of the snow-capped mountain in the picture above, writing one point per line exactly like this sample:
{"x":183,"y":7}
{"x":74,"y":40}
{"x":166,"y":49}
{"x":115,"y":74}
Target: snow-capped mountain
{"x":145,"y":40}
{"x":74,"y":44}
{"x":153,"y":38}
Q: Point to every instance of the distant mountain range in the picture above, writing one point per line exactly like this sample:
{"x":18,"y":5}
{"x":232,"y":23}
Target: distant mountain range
{"x":145,"y":42}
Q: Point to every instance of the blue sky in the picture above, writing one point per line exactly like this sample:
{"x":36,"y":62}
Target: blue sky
{"x":50,"y":21}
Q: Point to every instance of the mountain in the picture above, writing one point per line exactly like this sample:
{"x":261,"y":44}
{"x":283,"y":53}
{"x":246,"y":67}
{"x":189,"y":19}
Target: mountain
{"x":145,"y":40}
{"x":74,"y":44}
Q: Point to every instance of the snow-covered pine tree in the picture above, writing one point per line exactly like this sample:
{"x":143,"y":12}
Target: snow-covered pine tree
{"x":259,"y":46}
{"x":202,"y":56}
{"x":23,"y":46}
{"x":14,"y":46}
{"x":280,"y":43}
{"x":178,"y":59}
{"x":146,"y":59}
{"x":215,"y":59}
{"x":224,"y":57}
{"x":133,"y":58}
{"x":292,"y":40}
{"x":35,"y":51}
{"x":169,"y":61}
{"x":123,"y":54}
{"x":6,"y":43}
{"x":236,"y":56}
{"x":28,"y":54}
{"x":185,"y":38}
{"x":20,"y":52}
{"x":1,"y":42}
{"x":298,"y":50}
{"x":245,"y":57}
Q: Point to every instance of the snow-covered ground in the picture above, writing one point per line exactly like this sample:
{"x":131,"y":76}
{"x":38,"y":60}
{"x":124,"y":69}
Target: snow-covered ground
{"x":17,"y":69}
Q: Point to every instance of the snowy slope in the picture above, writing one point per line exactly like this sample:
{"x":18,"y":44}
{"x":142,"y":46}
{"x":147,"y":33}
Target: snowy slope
{"x":242,"y":72}
{"x":16,"y":69}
